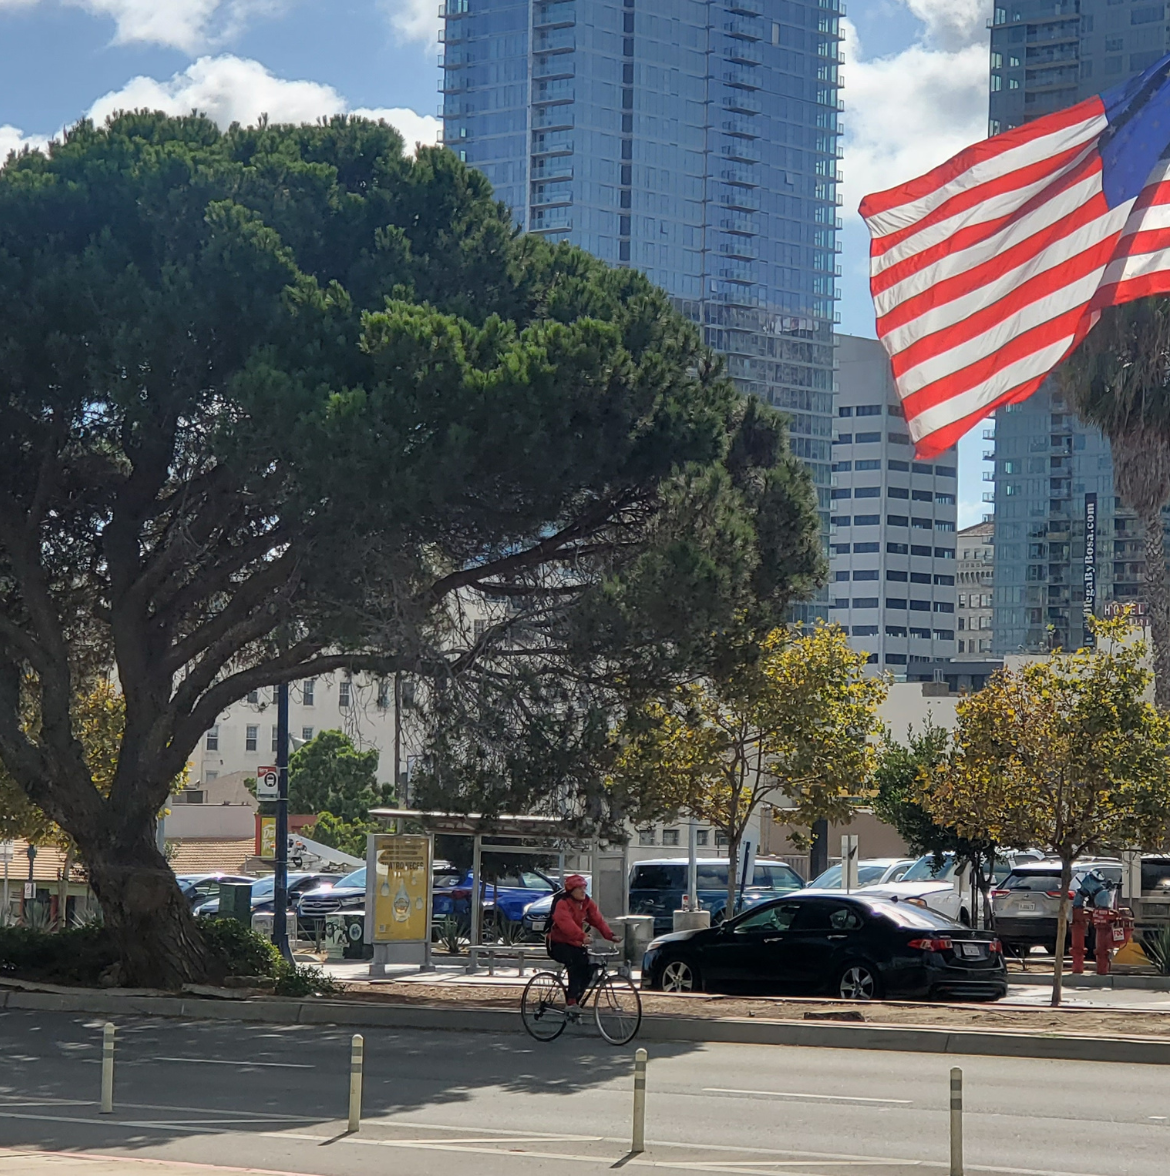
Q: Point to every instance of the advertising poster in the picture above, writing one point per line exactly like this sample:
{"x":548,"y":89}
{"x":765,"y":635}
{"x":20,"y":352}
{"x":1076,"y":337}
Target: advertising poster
{"x":401,"y":887}
{"x":267,"y":838}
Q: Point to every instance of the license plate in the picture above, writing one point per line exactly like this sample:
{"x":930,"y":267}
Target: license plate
{"x":971,"y":950}
{"x":1025,"y":906}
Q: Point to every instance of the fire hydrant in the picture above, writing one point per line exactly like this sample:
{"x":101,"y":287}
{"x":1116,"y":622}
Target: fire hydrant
{"x":1113,"y":929}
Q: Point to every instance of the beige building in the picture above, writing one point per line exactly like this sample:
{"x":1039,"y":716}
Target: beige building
{"x":976,"y":565}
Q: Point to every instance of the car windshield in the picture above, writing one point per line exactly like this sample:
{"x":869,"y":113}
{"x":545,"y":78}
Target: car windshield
{"x":831,"y":878}
{"x":919,"y":918}
{"x":1032,"y":880}
{"x":265,"y":888}
{"x":926,"y":869}
{"x":356,"y":879}
{"x":650,"y":877}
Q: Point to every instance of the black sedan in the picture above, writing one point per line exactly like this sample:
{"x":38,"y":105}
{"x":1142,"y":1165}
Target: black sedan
{"x":847,"y":946}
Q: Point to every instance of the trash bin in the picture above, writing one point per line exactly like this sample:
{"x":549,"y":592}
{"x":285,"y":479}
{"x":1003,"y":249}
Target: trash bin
{"x":636,"y":932}
{"x":235,"y":902}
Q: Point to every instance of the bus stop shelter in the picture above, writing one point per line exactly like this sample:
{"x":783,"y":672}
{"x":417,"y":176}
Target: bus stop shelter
{"x":518,"y":836}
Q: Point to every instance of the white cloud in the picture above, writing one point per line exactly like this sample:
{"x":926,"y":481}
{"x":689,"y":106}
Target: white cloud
{"x":416,"y":20}
{"x":234,"y":89}
{"x":951,"y":24}
{"x":912,"y":110}
{"x":13,"y":139}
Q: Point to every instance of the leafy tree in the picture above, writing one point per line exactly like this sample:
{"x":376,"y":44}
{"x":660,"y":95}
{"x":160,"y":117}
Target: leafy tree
{"x":329,"y":775}
{"x":281,"y":401}
{"x":1063,"y":753}
{"x":902,"y":771}
{"x":348,"y":836}
{"x":1119,"y":381}
{"x":795,"y":720}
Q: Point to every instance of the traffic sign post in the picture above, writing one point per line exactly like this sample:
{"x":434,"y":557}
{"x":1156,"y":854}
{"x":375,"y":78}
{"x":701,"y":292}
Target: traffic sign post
{"x":7,"y":849}
{"x":280,"y":886}
{"x":267,"y":784}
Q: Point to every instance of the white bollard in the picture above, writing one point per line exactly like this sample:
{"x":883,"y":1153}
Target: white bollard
{"x":639,"y":1138}
{"x":108,"y":1069}
{"x":356,"y":1059}
{"x":956,"y":1122}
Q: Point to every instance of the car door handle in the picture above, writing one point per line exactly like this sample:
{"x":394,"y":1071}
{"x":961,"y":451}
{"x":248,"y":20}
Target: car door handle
{"x":836,"y":936}
{"x":774,"y":938}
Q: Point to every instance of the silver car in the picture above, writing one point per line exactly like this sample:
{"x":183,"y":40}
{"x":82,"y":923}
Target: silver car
{"x":870,"y":872}
{"x":1026,"y":904}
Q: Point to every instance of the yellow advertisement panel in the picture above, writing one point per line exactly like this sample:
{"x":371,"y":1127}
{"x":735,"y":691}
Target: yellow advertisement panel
{"x":401,"y":887}
{"x":267,"y":837}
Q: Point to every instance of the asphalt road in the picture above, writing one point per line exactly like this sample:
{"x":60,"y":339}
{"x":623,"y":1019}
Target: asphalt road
{"x":274,"y":1099}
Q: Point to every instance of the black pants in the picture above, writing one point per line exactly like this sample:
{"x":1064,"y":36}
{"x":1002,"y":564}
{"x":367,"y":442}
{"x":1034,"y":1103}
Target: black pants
{"x":576,"y":959}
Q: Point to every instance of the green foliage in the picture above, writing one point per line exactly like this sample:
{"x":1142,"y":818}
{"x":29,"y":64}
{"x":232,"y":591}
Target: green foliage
{"x":453,"y":934}
{"x":1156,"y":945}
{"x":328,"y":775}
{"x":348,"y":836}
{"x":303,"y":980}
{"x":280,"y":401}
{"x":238,"y":950}
{"x":75,"y":956}
{"x":898,"y":778}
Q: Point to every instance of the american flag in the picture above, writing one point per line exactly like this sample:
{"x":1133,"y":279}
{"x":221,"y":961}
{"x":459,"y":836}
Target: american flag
{"x":988,"y":271}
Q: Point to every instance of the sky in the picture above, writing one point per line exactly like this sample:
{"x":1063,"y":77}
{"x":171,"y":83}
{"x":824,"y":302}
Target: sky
{"x":915,"y":87}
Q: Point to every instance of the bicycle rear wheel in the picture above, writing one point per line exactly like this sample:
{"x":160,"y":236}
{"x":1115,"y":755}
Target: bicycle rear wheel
{"x":543,"y":1006}
{"x":617,"y":1009}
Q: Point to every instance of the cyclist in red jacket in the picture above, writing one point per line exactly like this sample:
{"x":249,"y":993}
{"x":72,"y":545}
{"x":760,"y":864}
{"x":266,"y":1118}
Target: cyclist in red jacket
{"x":572,"y":911}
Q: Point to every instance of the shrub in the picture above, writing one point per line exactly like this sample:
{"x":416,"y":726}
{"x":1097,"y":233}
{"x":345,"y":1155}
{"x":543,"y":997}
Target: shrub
{"x":303,"y":980}
{"x":78,"y":955}
{"x":238,"y":950}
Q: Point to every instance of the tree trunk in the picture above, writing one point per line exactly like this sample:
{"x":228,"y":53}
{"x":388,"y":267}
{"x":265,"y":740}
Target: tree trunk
{"x":1157,"y":593}
{"x":1061,"y":932}
{"x":732,"y":876}
{"x":145,"y":913}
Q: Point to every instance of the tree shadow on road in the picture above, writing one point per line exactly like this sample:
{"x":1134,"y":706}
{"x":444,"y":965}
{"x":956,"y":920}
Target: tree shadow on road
{"x":178,"y":1079}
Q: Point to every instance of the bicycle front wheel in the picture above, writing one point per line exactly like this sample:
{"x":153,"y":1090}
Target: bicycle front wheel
{"x":617,"y":1009}
{"x":543,"y":1006}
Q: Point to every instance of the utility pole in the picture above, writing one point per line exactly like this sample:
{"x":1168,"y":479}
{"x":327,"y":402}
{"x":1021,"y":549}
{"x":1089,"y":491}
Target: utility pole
{"x":280,"y":886}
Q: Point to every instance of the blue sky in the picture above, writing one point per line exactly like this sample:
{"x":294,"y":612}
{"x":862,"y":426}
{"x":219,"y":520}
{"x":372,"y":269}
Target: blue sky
{"x":915,"y":84}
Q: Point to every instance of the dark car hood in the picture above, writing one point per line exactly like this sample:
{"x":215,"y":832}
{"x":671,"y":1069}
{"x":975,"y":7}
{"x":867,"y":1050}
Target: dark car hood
{"x":333,"y":892}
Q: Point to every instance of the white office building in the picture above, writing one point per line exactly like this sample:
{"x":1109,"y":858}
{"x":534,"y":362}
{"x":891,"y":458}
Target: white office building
{"x":893,"y":523}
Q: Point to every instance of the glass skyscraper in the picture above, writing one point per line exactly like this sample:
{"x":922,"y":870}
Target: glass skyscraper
{"x":1055,"y":504}
{"x":696,"y":140}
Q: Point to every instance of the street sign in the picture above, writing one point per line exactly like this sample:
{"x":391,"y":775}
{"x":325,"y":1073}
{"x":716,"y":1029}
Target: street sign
{"x":30,"y":890}
{"x":267,"y":784}
{"x":6,"y":850}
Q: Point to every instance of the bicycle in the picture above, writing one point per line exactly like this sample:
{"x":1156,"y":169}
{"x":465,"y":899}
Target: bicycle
{"x":617,"y":1006}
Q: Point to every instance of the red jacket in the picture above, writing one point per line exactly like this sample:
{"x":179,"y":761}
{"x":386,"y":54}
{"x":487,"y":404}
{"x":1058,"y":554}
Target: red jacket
{"x":570,"y":917}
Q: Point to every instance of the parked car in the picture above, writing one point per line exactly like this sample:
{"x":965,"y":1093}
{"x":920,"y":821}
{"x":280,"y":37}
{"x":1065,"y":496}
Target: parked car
{"x":264,"y":891}
{"x":851,"y":946}
{"x":348,"y":893}
{"x":505,"y":897}
{"x":536,"y":913}
{"x":1026,"y":904}
{"x":931,"y":883}
{"x":198,"y":888}
{"x":657,"y":887}
{"x":870,"y":872}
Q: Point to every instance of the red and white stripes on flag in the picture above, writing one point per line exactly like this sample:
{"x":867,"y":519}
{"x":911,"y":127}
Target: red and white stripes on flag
{"x":988,"y":271}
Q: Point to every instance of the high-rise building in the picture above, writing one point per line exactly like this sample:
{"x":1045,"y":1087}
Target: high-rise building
{"x":1059,"y":527}
{"x":893,"y":563}
{"x":976,"y":568}
{"x":696,"y":140}
{"x":1048,"y":54}
{"x":1053,"y":477}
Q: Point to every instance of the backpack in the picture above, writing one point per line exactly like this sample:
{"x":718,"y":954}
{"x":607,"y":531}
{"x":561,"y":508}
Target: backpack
{"x":557,"y":897}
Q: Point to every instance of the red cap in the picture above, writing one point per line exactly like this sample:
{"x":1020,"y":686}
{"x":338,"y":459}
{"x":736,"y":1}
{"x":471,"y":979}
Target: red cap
{"x":573,"y":881}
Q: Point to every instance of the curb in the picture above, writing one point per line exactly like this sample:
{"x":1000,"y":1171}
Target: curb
{"x":727,"y":1030}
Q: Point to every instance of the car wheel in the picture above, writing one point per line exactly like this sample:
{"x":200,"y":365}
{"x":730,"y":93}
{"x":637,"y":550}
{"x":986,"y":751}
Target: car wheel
{"x":679,"y":976}
{"x":965,"y":917}
{"x":859,"y":981}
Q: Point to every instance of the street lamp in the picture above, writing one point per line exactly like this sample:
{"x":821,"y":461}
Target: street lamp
{"x":32,"y":857}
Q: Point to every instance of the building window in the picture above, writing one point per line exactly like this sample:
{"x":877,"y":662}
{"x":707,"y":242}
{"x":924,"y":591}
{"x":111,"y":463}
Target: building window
{"x":869,"y":410}
{"x":895,"y":631}
{"x":865,"y":602}
{"x":897,"y":549}
{"x":865,"y":630}
{"x":343,"y":692}
{"x":898,"y":577}
{"x":943,"y":606}
{"x":839,"y":576}
{"x":866,"y":548}
{"x":869,"y":463}
{"x":897,"y":492}
{"x":922,"y":495}
{"x":842,"y":467}
{"x":867,"y":492}
{"x":944,"y":634}
{"x":670,"y":837}
{"x":870,"y":438}
{"x":895,"y":659}
{"x":275,"y":741}
{"x":254,"y":696}
{"x":384,"y":692}
{"x":721,"y":841}
{"x":841,"y":520}
{"x":646,"y":837}
{"x":308,"y":688}
{"x":212,"y":743}
{"x":897,"y":521}
{"x":250,"y":734}
{"x":306,"y":734}
{"x":896,"y":602}
{"x":867,"y":520}
{"x":921,"y":634}
{"x":843,"y":439}
{"x":901,"y":467}
{"x":701,"y":837}
{"x":845,"y":412}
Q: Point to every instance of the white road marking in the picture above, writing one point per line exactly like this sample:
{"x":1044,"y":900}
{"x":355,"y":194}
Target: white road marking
{"x":221,"y":1062}
{"x":903,"y":1102}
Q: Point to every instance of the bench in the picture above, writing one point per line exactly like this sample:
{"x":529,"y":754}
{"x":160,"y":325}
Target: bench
{"x":497,"y":952}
